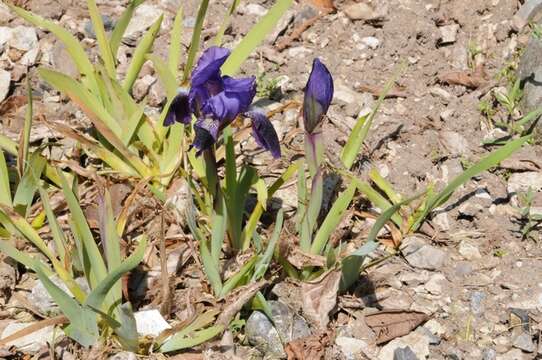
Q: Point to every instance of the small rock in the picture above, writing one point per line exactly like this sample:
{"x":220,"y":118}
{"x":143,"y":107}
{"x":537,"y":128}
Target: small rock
{"x":363,"y":11}
{"x":23,"y":38}
{"x":5,"y":81}
{"x":107,"y":21}
{"x":489,"y":354}
{"x":254,"y":9}
{"x":267,"y":338}
{"x":521,"y":182}
{"x":344,"y":95}
{"x":441,"y":93}
{"x":298,"y":52}
{"x":351,"y":347}
{"x":29,"y":58}
{"x":418,"y":343}
{"x":39,"y":296}
{"x":145,"y":15}
{"x":32,"y":342}
{"x":530,"y":73}
{"x":435,"y":283}
{"x":477,"y":302}
{"x":6,"y":15}
{"x":189,"y":22}
{"x":423,"y":256}
{"x":157,"y":95}
{"x":371,"y":42}
{"x":455,"y":143}
{"x":524,"y":342}
{"x":447,"y":114}
{"x":448,"y":33}
{"x":515,"y":354}
{"x":62,"y":61}
{"x":469,"y":251}
{"x":5,"y":35}
{"x":150,"y":322}
{"x":142,"y":86}
{"x":463,"y":268}
{"x":405,"y":353}
{"x":124,"y":355}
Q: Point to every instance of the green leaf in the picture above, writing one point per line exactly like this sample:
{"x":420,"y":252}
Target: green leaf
{"x":83,"y":326}
{"x":489,"y":161}
{"x":254,"y":37}
{"x":225,"y":23}
{"x":219,"y":221}
{"x":358,"y":135}
{"x":29,"y":184}
{"x":28,"y":261}
{"x":101,"y":38}
{"x":385,"y":186}
{"x":91,"y":258}
{"x":184,"y":341}
{"x":22,"y":157}
{"x":127,"y":331}
{"x":263,"y":262}
{"x":376,"y":199}
{"x":97,"y":297}
{"x":333,"y":218}
{"x":5,"y":190}
{"x":174,"y":53}
{"x":122,"y":24}
{"x":236,"y":280}
{"x":56,"y":230}
{"x":196,"y":35}
{"x":165,"y":75}
{"x":138,"y":59}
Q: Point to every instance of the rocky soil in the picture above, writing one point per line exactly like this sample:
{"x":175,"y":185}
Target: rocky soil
{"x":473,"y":272}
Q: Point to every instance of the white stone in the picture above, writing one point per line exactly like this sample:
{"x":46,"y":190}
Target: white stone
{"x":23,"y":38}
{"x":255,"y":9}
{"x":298,"y":52}
{"x":150,"y":322}
{"x":417,"y":342}
{"x":454,"y":142}
{"x":448,"y":33}
{"x":5,"y":35}
{"x":469,"y":251}
{"x":435,"y":327}
{"x":435,"y":283}
{"x":5,"y":80}
{"x":520,"y":182}
{"x":352,"y":347}
{"x":29,"y":58}
{"x":371,"y":42}
{"x":32,"y":342}
{"x":343,"y":94}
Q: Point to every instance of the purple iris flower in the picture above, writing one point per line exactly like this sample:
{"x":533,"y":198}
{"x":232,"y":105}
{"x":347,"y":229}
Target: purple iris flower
{"x":216,"y":101}
{"x":318,"y":96}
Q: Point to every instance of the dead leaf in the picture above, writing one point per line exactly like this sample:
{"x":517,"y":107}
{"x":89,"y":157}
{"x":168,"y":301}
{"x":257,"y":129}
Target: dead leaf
{"x":324,"y":4}
{"x":301,"y":259}
{"x":389,"y":324}
{"x":471,"y":79}
{"x":320,"y":297}
{"x":237,"y":299}
{"x":308,"y":348}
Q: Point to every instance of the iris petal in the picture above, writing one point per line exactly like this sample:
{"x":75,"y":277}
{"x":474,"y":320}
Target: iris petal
{"x":234,"y":100}
{"x":203,"y":140}
{"x":208,"y":67}
{"x":318,"y":95}
{"x":179,"y":110}
{"x":264,"y":133}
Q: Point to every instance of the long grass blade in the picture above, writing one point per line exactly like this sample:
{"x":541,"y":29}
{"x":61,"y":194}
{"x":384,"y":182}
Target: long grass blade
{"x":196,"y":38}
{"x":101,"y":38}
{"x":122,"y":24}
{"x":225,"y":23}
{"x":56,"y":230}
{"x":24,"y":142}
{"x":174,"y":53}
{"x":5,"y":189}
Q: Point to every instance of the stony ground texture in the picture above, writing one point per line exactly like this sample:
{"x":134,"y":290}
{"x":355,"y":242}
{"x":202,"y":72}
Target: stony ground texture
{"x":472,"y":272}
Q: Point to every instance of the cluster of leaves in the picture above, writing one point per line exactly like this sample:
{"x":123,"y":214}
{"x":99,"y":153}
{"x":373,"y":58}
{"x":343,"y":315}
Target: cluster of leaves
{"x":134,"y":146}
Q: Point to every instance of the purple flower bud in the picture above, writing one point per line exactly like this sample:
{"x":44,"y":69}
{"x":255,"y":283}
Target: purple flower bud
{"x":318,"y":96}
{"x":179,"y":110}
{"x":264,"y":133}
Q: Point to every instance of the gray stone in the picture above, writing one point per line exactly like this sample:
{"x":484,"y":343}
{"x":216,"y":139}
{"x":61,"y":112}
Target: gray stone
{"x":5,"y":35}
{"x":145,"y":15}
{"x":371,"y":42}
{"x":455,"y":143}
{"x":344,"y":95}
{"x":351,"y":347}
{"x":489,"y":354}
{"x":514,"y":354}
{"x":142,"y":86}
{"x":5,"y":81}
{"x":526,"y":13}
{"x":107,"y":21}
{"x":62,"y":61}
{"x":23,"y":38}
{"x":524,"y":341}
{"x":267,"y":338}
{"x":469,"y":251}
{"x":41,"y":299}
{"x":530,"y":73}
{"x":253,"y":9}
{"x":405,"y":353}
{"x":189,"y":22}
{"x":417,"y":342}
{"x":441,"y":93}
{"x":477,"y":302}
{"x":422,"y":255}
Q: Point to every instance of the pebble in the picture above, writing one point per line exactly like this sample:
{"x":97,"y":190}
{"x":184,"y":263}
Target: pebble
{"x":150,"y":322}
{"x":5,"y":35}
{"x":440,"y":93}
{"x":521,"y":182}
{"x":435,"y":283}
{"x":23,"y":38}
{"x":469,"y":251}
{"x":298,"y":52}
{"x":405,"y":353}
{"x":189,"y":22}
{"x":363,"y":11}
{"x":448,"y":34}
{"x":515,"y":354}
{"x":417,"y":342}
{"x":144,"y":16}
{"x":5,"y":81}
{"x":489,"y":354}
{"x":344,"y":95}
{"x":423,"y":256}
{"x":524,"y":341}
{"x":371,"y":42}
{"x":254,"y":9}
{"x":352,"y":347}
{"x":477,"y":302}
{"x":107,"y":21}
{"x":32,"y":342}
{"x":142,"y":86}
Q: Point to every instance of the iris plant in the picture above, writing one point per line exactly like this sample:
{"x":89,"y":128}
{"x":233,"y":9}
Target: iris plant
{"x":216,"y":101}
{"x":318,"y":96}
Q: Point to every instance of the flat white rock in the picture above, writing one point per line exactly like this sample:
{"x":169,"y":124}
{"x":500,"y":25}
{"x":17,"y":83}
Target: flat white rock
{"x":150,"y":322}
